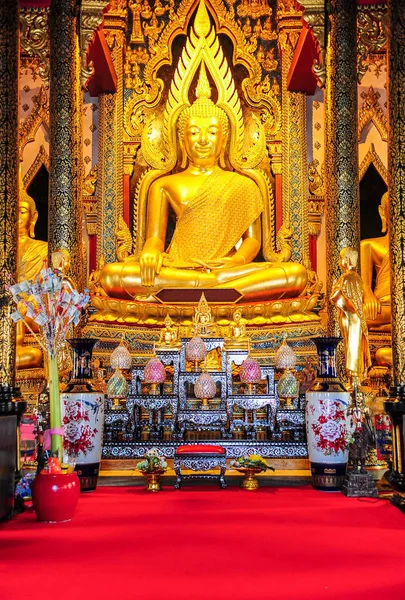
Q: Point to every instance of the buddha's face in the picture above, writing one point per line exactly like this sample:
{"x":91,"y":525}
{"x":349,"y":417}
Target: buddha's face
{"x":25,"y":218}
{"x":203,"y":140}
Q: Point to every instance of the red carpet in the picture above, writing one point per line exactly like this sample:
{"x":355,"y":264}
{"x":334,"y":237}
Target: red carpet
{"x":125,"y":543}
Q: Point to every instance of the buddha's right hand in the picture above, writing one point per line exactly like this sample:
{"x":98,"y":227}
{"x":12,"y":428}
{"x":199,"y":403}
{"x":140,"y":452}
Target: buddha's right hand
{"x":150,"y":264}
{"x":372,"y":306}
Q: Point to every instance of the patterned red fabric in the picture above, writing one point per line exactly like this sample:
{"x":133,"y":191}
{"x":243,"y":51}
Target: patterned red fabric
{"x":200,"y":449}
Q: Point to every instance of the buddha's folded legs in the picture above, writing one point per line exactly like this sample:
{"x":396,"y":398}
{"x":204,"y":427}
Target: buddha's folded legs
{"x":255,"y":281}
{"x":267,"y":280}
{"x":123,"y":280}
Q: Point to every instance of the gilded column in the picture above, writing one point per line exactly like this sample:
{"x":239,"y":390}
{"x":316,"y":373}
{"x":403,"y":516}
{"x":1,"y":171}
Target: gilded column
{"x":9,"y":164}
{"x":342,"y":171}
{"x":396,"y":182}
{"x":110,"y":137}
{"x":294,"y":157}
{"x":65,"y":191}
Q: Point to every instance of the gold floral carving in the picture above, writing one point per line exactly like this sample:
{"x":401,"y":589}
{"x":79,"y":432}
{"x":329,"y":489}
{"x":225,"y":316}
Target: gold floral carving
{"x":377,"y":63}
{"x":373,"y":158}
{"x":316,"y":186}
{"x":298,"y":310}
{"x":90,"y":210}
{"x":34,"y":40}
{"x":90,"y":201}
{"x":371,"y":35}
{"x":124,"y":240}
{"x":254,"y":10}
{"x":371,"y":110}
{"x":148,"y":91}
{"x":90,"y":182}
{"x":316,"y":209}
{"x":41,"y":159}
{"x":39,"y":116}
{"x":91,"y":17}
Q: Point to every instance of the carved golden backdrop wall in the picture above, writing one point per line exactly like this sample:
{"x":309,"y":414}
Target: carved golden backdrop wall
{"x":248,"y":40}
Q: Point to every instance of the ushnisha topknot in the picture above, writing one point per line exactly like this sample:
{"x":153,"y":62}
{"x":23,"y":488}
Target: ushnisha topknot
{"x":203,"y":106}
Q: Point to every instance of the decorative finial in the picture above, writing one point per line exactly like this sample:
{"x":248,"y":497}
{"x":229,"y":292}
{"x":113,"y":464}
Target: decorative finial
{"x":202,"y":23}
{"x":203,"y":89}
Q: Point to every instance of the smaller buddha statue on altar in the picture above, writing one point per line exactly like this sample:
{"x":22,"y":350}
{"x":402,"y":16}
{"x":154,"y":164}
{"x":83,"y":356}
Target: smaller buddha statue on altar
{"x":237,"y":332}
{"x":168,"y":338}
{"x":204,"y":324}
{"x":348,"y":295}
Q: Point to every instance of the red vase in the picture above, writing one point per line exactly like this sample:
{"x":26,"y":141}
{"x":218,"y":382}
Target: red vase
{"x":55,"y":497}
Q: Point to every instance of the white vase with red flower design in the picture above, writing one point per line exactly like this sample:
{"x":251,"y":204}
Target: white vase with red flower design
{"x":327,"y":402}
{"x":83,"y":416}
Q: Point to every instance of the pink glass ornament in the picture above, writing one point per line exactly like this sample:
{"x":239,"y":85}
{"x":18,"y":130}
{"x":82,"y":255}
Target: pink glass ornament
{"x":155,"y":371}
{"x":250,"y":371}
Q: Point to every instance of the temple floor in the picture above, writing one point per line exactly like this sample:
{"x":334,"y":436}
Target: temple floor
{"x":203,"y":542}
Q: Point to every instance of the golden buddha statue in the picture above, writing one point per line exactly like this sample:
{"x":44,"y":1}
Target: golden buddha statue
{"x":237,"y":332}
{"x":212,"y":216}
{"x":348,"y":295}
{"x":218,"y":232}
{"x":32,"y":255}
{"x":168,"y":338}
{"x":374,"y":259}
{"x":203,"y":320}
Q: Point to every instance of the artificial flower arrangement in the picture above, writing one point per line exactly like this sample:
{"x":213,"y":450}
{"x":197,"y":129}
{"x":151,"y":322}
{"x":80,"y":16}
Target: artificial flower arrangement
{"x":250,"y":461}
{"x":152,"y":462}
{"x":54,"y":305}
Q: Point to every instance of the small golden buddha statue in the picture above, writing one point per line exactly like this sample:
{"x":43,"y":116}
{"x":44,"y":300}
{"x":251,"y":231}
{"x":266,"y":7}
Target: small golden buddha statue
{"x":60,"y":260}
{"x":168,"y":338}
{"x":348,"y":295}
{"x":218,"y":229}
{"x":237,"y":332}
{"x":203,"y":320}
{"x":374,"y":259}
{"x":32,"y":255}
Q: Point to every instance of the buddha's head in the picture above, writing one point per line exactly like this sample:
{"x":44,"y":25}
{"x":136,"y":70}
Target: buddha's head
{"x":203,"y":127}
{"x":237,"y":315}
{"x":383,"y":211}
{"x":27,"y":213}
{"x":60,"y":260}
{"x":348,"y":259}
{"x":168,"y":322}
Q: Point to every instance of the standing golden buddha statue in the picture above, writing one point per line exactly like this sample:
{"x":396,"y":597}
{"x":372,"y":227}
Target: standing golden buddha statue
{"x":348,"y":295}
{"x":218,"y":232}
{"x":31,"y":256}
